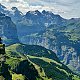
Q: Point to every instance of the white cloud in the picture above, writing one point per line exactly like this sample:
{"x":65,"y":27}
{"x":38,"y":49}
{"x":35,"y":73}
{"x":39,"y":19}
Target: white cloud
{"x":66,"y":8}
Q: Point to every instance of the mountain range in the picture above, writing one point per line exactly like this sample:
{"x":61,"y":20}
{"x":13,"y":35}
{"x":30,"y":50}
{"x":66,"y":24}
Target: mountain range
{"x":44,"y":29}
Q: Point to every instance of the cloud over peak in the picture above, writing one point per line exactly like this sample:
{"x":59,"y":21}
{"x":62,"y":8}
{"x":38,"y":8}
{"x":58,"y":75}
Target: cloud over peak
{"x":66,"y":8}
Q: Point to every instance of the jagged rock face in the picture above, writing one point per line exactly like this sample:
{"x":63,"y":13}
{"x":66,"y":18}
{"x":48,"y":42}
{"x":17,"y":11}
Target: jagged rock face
{"x":35,"y":22}
{"x":4,"y":10}
{"x":8,"y":30}
{"x":14,"y":13}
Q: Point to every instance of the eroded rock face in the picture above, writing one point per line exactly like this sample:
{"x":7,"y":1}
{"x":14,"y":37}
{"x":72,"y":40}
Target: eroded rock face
{"x":8,"y":30}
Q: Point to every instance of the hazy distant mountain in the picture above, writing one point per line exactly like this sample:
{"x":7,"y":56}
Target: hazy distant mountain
{"x":35,"y":22}
{"x":8,"y":30}
{"x":2,"y":8}
{"x":14,"y":13}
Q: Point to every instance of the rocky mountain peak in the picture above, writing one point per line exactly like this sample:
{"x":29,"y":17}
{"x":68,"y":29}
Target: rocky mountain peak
{"x":16,"y":11}
{"x":35,"y":13}
{"x":2,"y":7}
{"x":47,"y":12}
{"x":14,"y":8}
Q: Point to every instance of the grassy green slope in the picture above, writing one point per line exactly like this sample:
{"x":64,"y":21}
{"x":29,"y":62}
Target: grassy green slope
{"x":36,"y":63}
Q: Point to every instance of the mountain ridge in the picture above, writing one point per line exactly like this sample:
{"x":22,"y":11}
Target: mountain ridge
{"x":47,"y":69}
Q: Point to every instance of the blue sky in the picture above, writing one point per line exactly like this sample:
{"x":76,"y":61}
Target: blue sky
{"x":66,"y":8}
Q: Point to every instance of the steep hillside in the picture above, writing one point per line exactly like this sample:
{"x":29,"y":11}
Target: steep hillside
{"x":32,"y":50}
{"x":28,"y":62}
{"x":8,"y":30}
